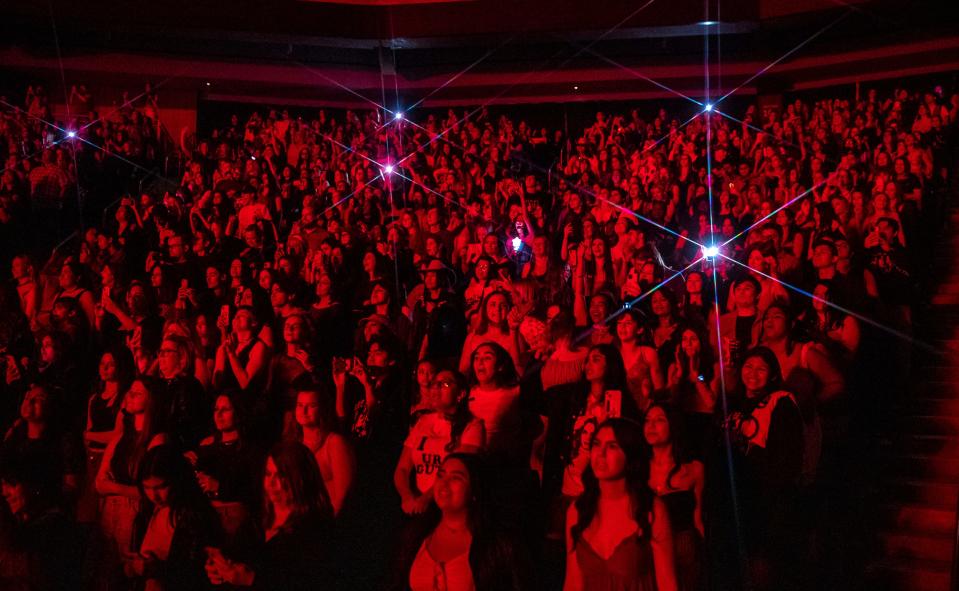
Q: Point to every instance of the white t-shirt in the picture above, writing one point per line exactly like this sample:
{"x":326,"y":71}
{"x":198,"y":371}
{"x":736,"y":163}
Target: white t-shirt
{"x":499,"y":410}
{"x":427,"y":442}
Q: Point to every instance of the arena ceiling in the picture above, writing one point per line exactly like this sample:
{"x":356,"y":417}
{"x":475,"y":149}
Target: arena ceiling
{"x":461,"y":51}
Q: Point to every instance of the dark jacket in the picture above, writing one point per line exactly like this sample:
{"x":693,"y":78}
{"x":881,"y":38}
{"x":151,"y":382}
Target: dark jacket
{"x":297,"y":558}
{"x":185,"y":409}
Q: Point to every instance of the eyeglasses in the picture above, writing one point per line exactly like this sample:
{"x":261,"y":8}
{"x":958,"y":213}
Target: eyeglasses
{"x":445,"y":385}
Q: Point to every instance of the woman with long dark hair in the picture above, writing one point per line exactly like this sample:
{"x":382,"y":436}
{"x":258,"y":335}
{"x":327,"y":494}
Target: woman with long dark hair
{"x":618,"y":534}
{"x":494,"y":397}
{"x":482,"y":283}
{"x":511,"y":424}
{"x":598,"y":266}
{"x":664,"y":306}
{"x":292,"y":365}
{"x":837,"y":333}
{"x":643,"y":373}
{"x":693,"y":380}
{"x":328,"y":316}
{"x":696,"y":297}
{"x":574,"y":411}
{"x":544,"y":270}
{"x":242,"y":359}
{"x":72,"y":280}
{"x":449,"y":428}
{"x":494,"y":326}
{"x":458,"y":547}
{"x":420,"y":401}
{"x":103,"y":408}
{"x":174,"y":525}
{"x":116,"y":480}
{"x":678,"y":480}
{"x":222,"y":463}
{"x":206,"y":342}
{"x":296,"y":552}
{"x":315,"y":427}
{"x":37,"y":439}
{"x":766,"y":432}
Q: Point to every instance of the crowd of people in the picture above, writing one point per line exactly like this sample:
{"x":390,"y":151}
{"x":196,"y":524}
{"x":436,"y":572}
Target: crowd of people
{"x":450,"y":351}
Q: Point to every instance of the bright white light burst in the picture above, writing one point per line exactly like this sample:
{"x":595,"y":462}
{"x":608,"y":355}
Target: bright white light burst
{"x":388,"y":169}
{"x":71,"y":134}
{"x":517,"y":243}
{"x":398,"y":115}
{"x":710,"y":252}
{"x":708,"y":107}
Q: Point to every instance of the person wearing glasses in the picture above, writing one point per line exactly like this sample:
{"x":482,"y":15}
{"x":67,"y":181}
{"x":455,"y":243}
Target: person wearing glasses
{"x":182,"y":402}
{"x":450,"y":427}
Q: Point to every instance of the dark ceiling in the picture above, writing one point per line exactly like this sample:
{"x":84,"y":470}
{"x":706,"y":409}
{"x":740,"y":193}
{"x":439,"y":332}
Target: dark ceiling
{"x":418,"y":43}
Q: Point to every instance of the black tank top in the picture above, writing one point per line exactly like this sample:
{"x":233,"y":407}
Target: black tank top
{"x":680,"y":505}
{"x":120,"y":468}
{"x":103,"y":415}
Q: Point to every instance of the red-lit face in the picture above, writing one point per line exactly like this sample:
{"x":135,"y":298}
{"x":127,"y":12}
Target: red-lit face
{"x":275,"y":487}
{"x":496,"y":309}
{"x":15,"y":494}
{"x":694,"y":283}
{"x":484,"y":364}
{"x":135,"y":401}
{"x":626,"y":328}
{"x":595,"y":367}
{"x":690,"y":343}
{"x":223,"y":416}
{"x":108,"y":367}
{"x":444,"y":392}
{"x":452,"y":490}
{"x":606,"y":457}
{"x":157,"y":490}
{"x":307,"y":409}
{"x":775,"y":324}
{"x":659,"y":304}
{"x":34,"y":406}
{"x":656,"y":426}
{"x":755,"y":374}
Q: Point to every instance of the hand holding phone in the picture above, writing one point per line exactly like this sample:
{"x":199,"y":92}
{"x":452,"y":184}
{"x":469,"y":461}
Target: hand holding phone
{"x":614,"y":404}
{"x":341,"y":365}
{"x":223,"y":320}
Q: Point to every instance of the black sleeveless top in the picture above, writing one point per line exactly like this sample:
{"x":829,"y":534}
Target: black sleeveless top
{"x":226,"y":380}
{"x":103,"y":415}
{"x":680,"y":505}
{"x":120,"y":468}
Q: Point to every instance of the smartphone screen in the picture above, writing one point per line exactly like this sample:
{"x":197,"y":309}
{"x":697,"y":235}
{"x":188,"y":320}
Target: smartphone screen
{"x":614,"y":404}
